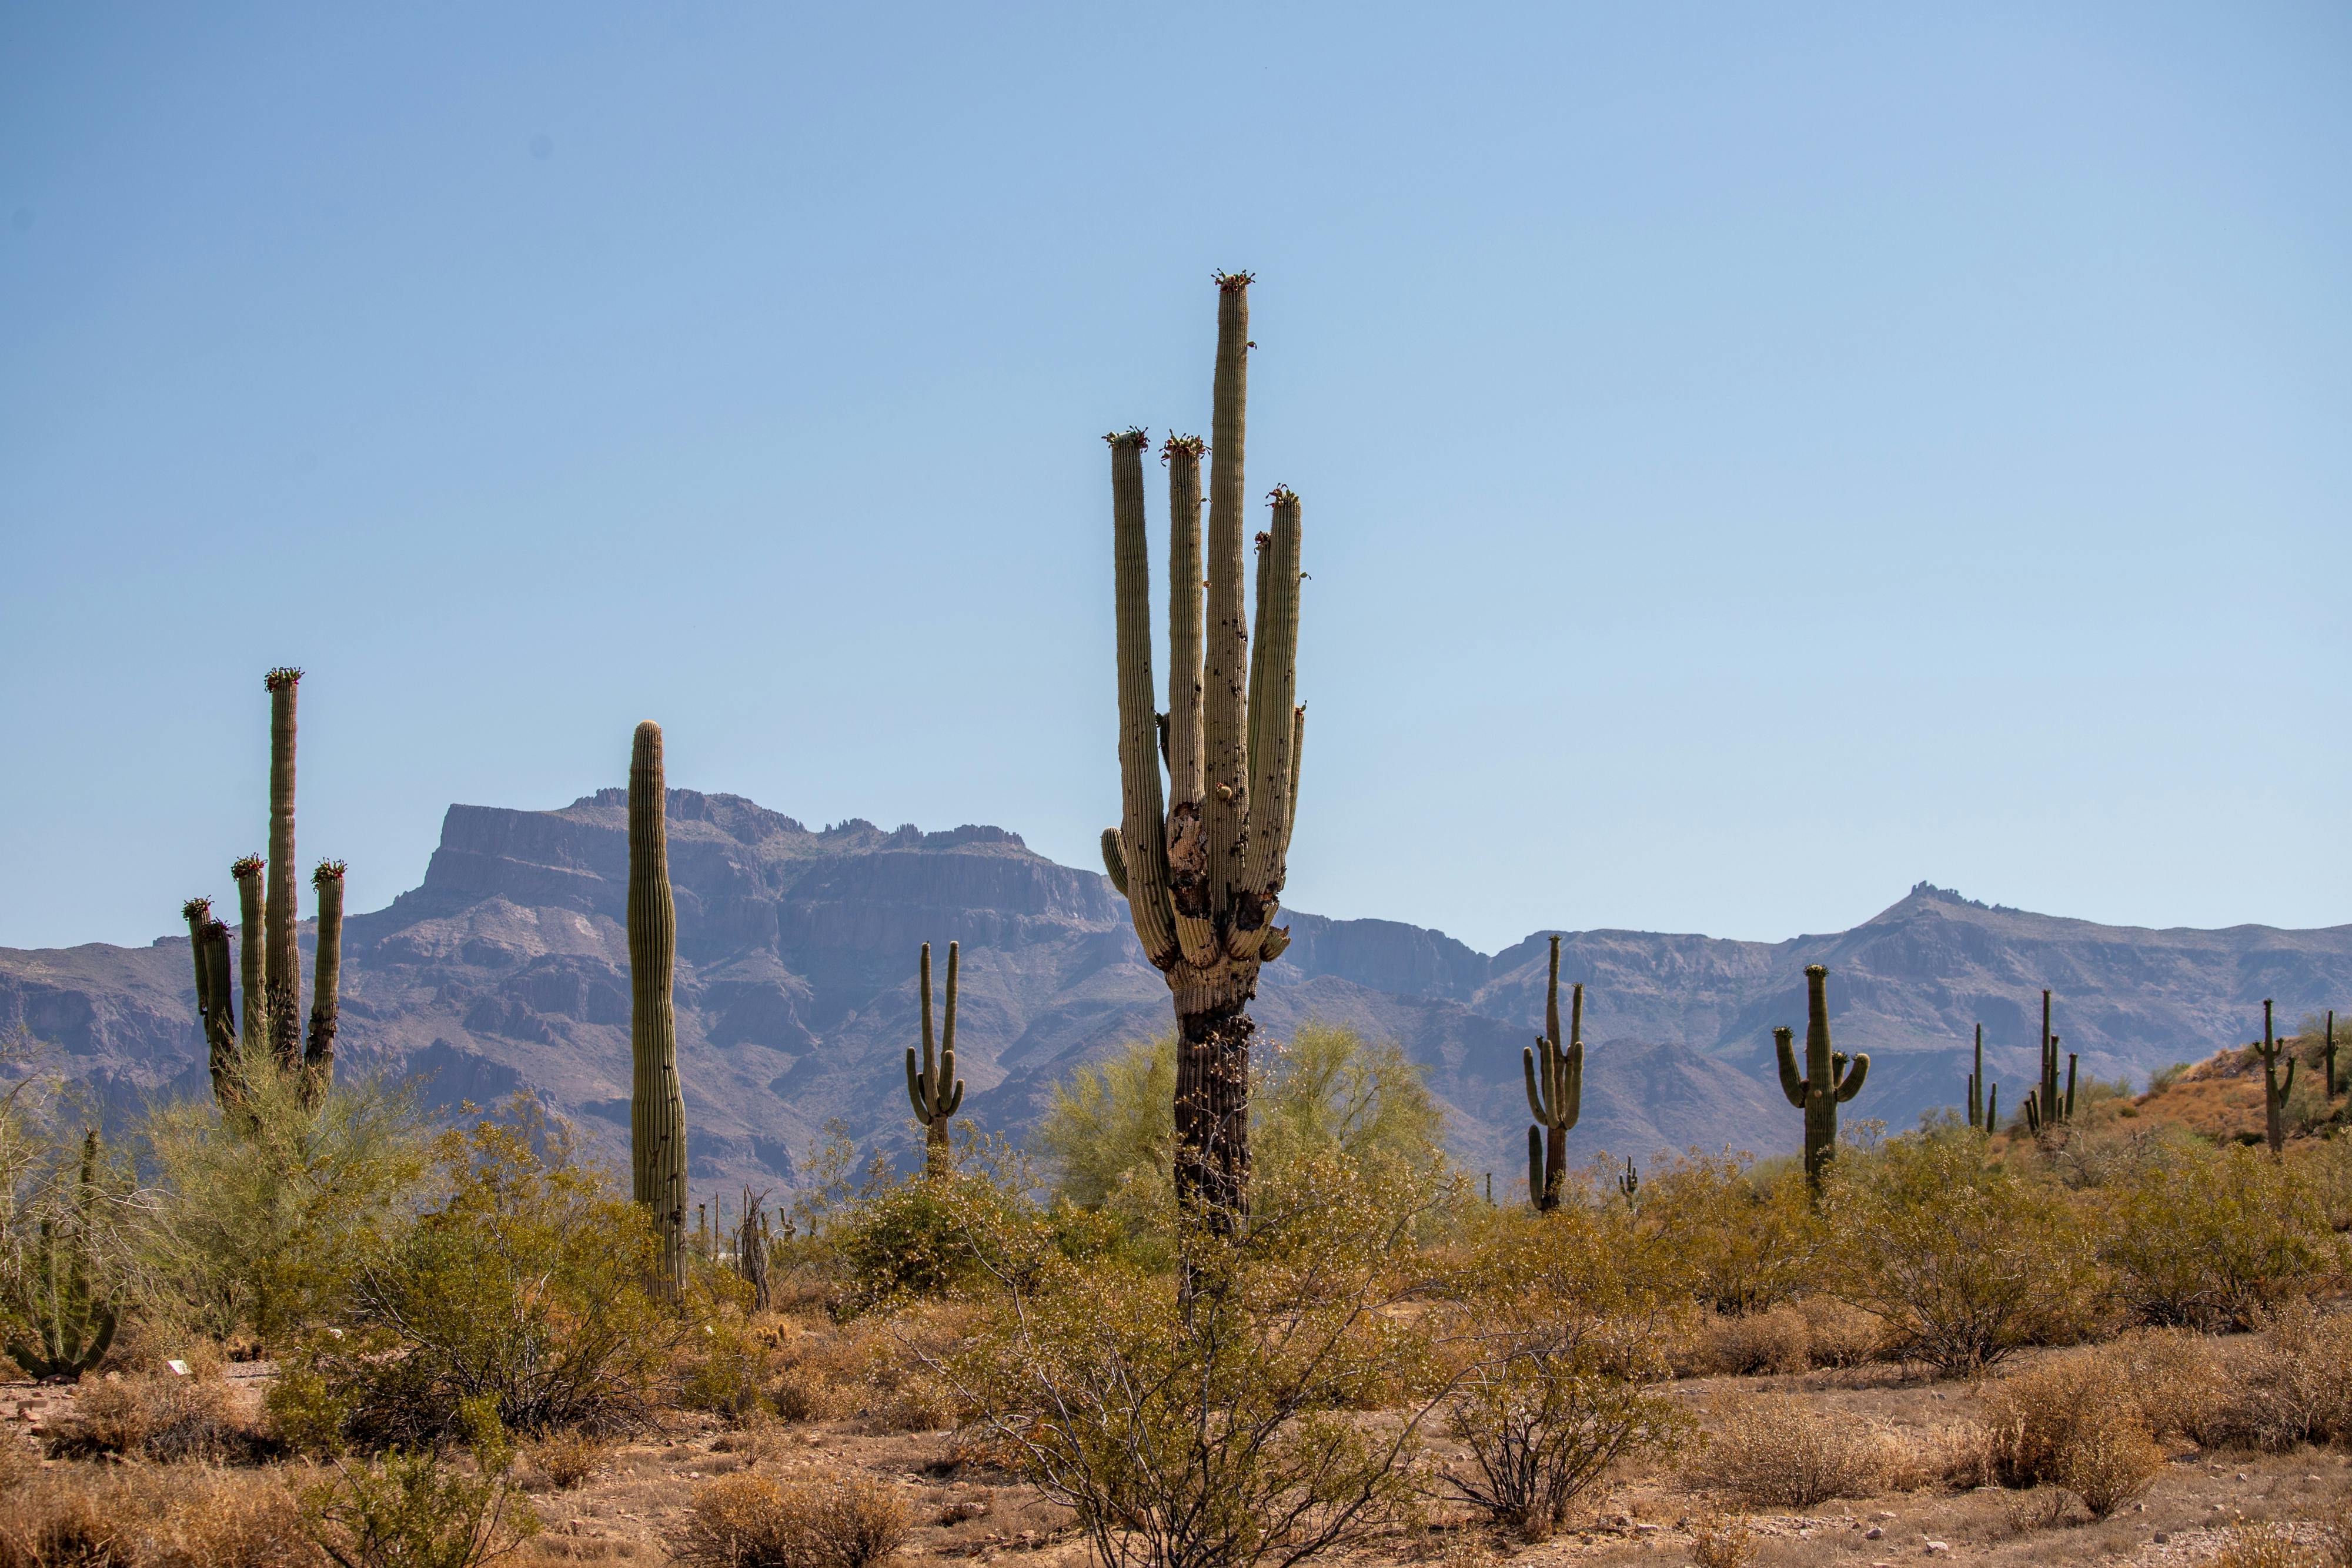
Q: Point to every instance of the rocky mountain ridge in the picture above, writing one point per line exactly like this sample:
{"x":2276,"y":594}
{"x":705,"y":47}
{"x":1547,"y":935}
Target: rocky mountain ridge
{"x":507,"y":970}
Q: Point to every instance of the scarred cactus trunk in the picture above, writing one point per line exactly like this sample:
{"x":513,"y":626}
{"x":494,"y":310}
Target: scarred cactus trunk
{"x":932,"y":1085}
{"x":656,"y":1102}
{"x":1203,"y":873}
{"x":1828,"y":1082}
{"x":284,"y":983}
{"x":326,"y":982}
{"x":1555,"y":1084}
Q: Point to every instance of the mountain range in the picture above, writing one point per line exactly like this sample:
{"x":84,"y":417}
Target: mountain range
{"x":507,"y":970}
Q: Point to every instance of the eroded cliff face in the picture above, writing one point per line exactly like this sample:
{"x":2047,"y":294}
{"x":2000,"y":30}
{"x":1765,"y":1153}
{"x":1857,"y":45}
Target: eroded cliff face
{"x":507,"y":971}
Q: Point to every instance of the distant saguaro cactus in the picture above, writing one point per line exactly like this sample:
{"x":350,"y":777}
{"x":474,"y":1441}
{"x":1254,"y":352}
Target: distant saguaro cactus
{"x":1828,"y":1082}
{"x":73,"y":1322}
{"x":1984,"y":1099}
{"x":1204,"y":875}
{"x":933,"y":1086}
{"x":2275,"y":1089}
{"x":1555,"y":1079}
{"x":1630,"y":1183}
{"x":752,"y":1244}
{"x":657,"y":1101}
{"x":2329,"y":1056}
{"x":2047,"y":1106}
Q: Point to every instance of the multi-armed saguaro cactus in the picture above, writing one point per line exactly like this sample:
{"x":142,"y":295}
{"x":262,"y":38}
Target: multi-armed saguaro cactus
{"x":1630,"y":1183}
{"x":656,"y":1102}
{"x":2047,"y":1106}
{"x":73,"y":1322}
{"x":269,"y":971}
{"x":933,"y":1086}
{"x":1555,"y":1077}
{"x":1829,"y":1081}
{"x":1984,"y":1099}
{"x":2275,"y":1089}
{"x":1203,"y":875}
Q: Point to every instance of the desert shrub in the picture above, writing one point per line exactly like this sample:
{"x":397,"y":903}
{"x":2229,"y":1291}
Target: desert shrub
{"x":1774,"y":1341}
{"x":414,"y":1509}
{"x":2279,"y":1546}
{"x":568,"y":1458}
{"x":2174,"y":1376}
{"x":149,"y":1416}
{"x":726,"y":1362}
{"x":183,"y":1516}
{"x":1740,"y":1241}
{"x":263,"y":1213}
{"x":524,"y":1286}
{"x":805,"y":1390}
{"x":1721,"y":1541}
{"x":1566,"y":1360}
{"x":2289,"y":1384}
{"x":2074,"y":1422}
{"x":837,"y":1521}
{"x":1773,"y":1450}
{"x":1102,"y":1384}
{"x":2210,"y":1236}
{"x":1963,"y":1264}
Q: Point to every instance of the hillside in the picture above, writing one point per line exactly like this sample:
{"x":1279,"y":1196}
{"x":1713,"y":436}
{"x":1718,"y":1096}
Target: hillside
{"x":507,"y":969}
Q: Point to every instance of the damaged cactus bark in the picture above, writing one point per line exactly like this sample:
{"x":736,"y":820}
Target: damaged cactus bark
{"x":1202,"y":866}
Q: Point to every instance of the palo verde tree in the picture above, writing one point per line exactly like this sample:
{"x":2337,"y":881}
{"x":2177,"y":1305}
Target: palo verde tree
{"x":656,"y":1099}
{"x":1202,"y":866}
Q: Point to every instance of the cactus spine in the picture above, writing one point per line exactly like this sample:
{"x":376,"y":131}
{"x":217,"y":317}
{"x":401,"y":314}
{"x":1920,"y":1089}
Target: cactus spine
{"x":283,"y":984}
{"x":73,"y":1322}
{"x":1830,"y":1081}
{"x":1984,"y":1099}
{"x":656,"y":1102}
{"x":933,"y":1086}
{"x":326,"y":981}
{"x":1555,"y":1079}
{"x":1203,"y":875}
{"x":2275,"y":1089}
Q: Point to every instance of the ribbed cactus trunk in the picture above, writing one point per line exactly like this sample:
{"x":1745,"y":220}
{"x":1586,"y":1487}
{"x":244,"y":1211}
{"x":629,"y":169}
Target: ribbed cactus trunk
{"x":284,"y":982}
{"x":208,"y":944}
{"x":253,"y":950}
{"x":1828,"y":1082}
{"x":1204,"y":873}
{"x":326,"y":983}
{"x":1554,"y":1069}
{"x":2275,"y":1089}
{"x":656,"y":1102}
{"x":932,"y":1084}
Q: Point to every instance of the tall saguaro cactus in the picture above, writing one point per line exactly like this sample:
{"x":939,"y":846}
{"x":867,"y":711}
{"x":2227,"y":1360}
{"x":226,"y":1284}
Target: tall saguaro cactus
{"x":1204,"y":873}
{"x":1829,"y":1081}
{"x":2275,"y":1089}
{"x":1984,"y":1099}
{"x":656,"y":1102}
{"x":933,"y":1086}
{"x":284,"y":984}
{"x":1555,"y":1075}
{"x":2047,"y":1106}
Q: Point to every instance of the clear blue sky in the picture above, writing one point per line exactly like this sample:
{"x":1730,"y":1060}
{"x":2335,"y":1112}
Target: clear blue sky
{"x":1755,"y":457}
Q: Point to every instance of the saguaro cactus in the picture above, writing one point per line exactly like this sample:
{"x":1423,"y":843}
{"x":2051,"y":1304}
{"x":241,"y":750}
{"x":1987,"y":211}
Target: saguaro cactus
{"x":208,"y":941}
{"x":1555,"y":1078}
{"x":73,"y":1322}
{"x":2328,"y":1057}
{"x":933,"y":1086}
{"x":753,"y":1243}
{"x":284,"y":985}
{"x":1203,"y":875}
{"x":2275,"y":1089}
{"x":1984,"y":1099}
{"x":2046,"y":1106}
{"x":253,"y":949}
{"x":656,"y":1102}
{"x":326,"y":980}
{"x":1829,"y":1081}
{"x":1630,"y":1183}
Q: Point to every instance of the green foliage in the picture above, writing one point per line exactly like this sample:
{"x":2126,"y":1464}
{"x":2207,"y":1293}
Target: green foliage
{"x":2212,"y":1237}
{"x":526,"y":1286}
{"x":262,"y":1213}
{"x":1965,"y":1263}
{"x":414,"y":1509}
{"x":58,"y":1293}
{"x":1734,"y":1238}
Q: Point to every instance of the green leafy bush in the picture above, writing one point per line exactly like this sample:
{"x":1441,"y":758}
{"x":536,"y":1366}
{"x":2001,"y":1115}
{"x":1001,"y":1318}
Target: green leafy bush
{"x":414,"y":1509}
{"x":2212,"y":1237}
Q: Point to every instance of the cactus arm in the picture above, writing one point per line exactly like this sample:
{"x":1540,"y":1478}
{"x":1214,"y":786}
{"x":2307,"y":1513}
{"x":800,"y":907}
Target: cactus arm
{"x":1851,"y":1084}
{"x":1187,"y":833}
{"x":1272,"y":700}
{"x":1113,"y":860}
{"x":326,"y":981}
{"x":1571,"y":1099}
{"x":253,"y":949}
{"x":198,"y":913}
{"x":914,"y":1087}
{"x":285,"y":980}
{"x":1142,"y":817}
{"x":948,"y":1093}
{"x":1535,"y":1194}
{"x":1276,"y":943}
{"x":657,"y":1106}
{"x":1792,"y":1084}
{"x":1535,"y":1094}
{"x":2287,"y":1083}
{"x":1992,"y":1108}
{"x":1298,"y":749}
{"x":2069,"y":1086}
{"x":1225,"y":662}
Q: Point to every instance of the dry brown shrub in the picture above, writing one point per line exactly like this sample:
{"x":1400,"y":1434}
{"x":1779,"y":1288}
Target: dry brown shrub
{"x":1751,"y":1345}
{"x":1721,"y":1541}
{"x":2288,"y":1384}
{"x":836,"y":1520}
{"x":1839,"y":1333}
{"x":1959,"y":1455}
{"x":1777,"y":1451}
{"x":2271,"y":1546}
{"x":179,"y":1515}
{"x":568,"y":1458}
{"x":2173,"y":1375}
{"x":2075,"y":1421}
{"x":60,"y":1518}
{"x":2039,"y":1507}
{"x":231,"y":1520}
{"x":20,"y":1461}
{"x":160,"y":1416}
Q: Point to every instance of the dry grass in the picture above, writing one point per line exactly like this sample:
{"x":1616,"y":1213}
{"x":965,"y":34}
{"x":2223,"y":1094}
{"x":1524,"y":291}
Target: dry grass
{"x":838,"y":1521}
{"x":176,"y":1516}
{"x":568,"y":1458}
{"x":1721,"y":1541}
{"x":1777,"y":1451}
{"x":2288,"y":1384}
{"x":2278,"y":1546}
{"x":2075,"y":1421}
{"x":160,"y":1417}
{"x":1794,"y":1336}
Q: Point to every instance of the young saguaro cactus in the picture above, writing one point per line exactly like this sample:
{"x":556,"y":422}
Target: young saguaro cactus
{"x":657,"y":1101}
{"x":73,"y":1323}
{"x":2275,"y":1089}
{"x":1203,"y":873}
{"x":1829,"y":1081}
{"x":1984,"y":1099}
{"x":933,"y":1086}
{"x":1555,"y":1078}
